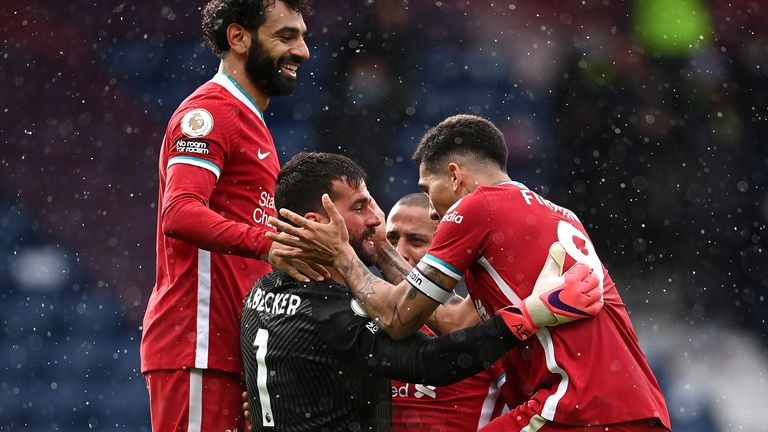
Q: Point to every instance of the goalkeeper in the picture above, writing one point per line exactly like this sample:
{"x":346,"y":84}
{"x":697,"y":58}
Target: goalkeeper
{"x":496,"y":234}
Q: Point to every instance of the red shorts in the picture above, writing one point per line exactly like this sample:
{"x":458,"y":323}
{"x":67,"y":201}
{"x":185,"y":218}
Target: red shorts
{"x":528,"y":417}
{"x":194,"y":400}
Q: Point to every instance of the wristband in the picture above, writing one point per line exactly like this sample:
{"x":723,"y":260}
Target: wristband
{"x":421,"y":282}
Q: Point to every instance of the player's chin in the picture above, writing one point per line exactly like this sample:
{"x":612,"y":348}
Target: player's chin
{"x":367,"y":252}
{"x":282,"y":84}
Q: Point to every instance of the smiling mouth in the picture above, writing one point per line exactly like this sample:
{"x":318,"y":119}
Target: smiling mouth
{"x":289,"y":69}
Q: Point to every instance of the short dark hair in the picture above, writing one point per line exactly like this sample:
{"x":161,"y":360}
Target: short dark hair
{"x":419,"y":199}
{"x":219,"y":14}
{"x":461,"y":135}
{"x":307,"y":176}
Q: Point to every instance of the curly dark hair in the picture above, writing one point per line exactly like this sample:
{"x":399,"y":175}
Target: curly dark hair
{"x":219,"y":14}
{"x":307,"y":176}
{"x":465,"y":135}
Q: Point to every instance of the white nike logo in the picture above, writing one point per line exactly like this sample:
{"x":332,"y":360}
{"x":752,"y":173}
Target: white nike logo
{"x":263,"y":155}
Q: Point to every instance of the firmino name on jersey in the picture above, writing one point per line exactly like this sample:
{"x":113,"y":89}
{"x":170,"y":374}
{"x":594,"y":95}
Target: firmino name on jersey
{"x":529,"y":196}
{"x":275,"y":304}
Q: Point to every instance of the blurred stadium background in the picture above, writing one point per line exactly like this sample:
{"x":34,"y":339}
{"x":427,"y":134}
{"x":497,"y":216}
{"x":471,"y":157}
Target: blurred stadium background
{"x":648,"y":118}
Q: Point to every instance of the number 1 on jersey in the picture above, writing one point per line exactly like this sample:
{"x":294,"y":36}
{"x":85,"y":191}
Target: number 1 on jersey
{"x":261,"y":377}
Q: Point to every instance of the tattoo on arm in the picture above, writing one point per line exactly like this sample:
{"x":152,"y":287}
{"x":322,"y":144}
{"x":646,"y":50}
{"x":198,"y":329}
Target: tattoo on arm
{"x":401,"y":270}
{"x":399,"y":267}
{"x":411,"y":325}
{"x":397,"y":307}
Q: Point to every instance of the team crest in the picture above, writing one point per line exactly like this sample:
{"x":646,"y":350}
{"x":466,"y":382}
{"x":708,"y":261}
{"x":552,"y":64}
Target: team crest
{"x":197,"y":123}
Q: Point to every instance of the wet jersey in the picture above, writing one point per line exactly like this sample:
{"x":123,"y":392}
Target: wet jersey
{"x":315,"y":361}
{"x":217,"y":152}
{"x":590,"y":371}
{"x":464,"y":406}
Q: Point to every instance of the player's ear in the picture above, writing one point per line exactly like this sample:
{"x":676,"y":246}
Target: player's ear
{"x":456,"y":174}
{"x":316,"y":217}
{"x":239,"y":38}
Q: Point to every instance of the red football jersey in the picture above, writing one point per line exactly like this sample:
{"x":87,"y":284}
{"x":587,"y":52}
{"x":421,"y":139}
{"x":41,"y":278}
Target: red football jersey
{"x":466,"y":405}
{"x":218,"y":150}
{"x":590,"y":371}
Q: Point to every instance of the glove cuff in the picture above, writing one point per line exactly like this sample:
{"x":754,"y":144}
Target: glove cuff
{"x":518,"y":321}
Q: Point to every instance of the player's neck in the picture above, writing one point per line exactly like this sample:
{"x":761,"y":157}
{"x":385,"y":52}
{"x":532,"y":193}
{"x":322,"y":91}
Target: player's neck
{"x":237,"y":72}
{"x":489,"y":178}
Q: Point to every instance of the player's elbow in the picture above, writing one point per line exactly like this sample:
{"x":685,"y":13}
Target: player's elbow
{"x":398,"y":331}
{"x":172,"y":222}
{"x":170,"y":228}
{"x":179,"y":216}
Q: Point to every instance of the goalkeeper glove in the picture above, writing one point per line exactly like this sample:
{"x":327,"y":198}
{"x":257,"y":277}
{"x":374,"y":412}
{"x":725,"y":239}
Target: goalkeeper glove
{"x":556,"y":298}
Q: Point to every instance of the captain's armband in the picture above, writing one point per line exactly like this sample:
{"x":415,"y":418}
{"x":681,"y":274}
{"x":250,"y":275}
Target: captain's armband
{"x":422,"y":283}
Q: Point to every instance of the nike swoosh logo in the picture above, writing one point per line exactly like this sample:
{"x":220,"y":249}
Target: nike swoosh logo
{"x":263,"y":155}
{"x":554,"y":300}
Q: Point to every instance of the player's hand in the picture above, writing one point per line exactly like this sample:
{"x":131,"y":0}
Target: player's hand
{"x":246,"y":411}
{"x":319,"y":242}
{"x":300,"y":269}
{"x":379,"y":237}
{"x":556,"y":298}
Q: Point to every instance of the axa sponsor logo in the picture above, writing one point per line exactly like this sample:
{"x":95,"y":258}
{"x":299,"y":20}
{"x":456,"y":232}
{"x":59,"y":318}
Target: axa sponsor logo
{"x":425,"y":390}
{"x":420,"y":391}
{"x":454,"y":217}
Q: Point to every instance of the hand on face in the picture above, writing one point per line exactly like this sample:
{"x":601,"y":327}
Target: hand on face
{"x":379,"y":236}
{"x":300,"y":269}
{"x":315,"y":241}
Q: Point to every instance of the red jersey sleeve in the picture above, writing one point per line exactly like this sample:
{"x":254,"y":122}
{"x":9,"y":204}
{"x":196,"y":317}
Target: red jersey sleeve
{"x":198,"y":143}
{"x":199,"y":136}
{"x":186,"y":216}
{"x":460,"y":236}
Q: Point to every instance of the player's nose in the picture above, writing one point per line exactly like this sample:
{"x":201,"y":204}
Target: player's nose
{"x":433,"y":213}
{"x":300,"y":50}
{"x":402,"y":248}
{"x":373,"y":219}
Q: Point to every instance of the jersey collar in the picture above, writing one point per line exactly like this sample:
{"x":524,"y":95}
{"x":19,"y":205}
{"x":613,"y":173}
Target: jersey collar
{"x":237,"y":91}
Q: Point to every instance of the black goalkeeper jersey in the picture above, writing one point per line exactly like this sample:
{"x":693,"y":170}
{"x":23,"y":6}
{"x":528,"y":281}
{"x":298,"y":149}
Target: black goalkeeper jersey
{"x":314,"y":361}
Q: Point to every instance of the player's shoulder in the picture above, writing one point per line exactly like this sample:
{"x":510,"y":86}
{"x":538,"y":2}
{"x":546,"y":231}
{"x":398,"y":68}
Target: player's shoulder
{"x":211,"y":97}
{"x":207,"y":111}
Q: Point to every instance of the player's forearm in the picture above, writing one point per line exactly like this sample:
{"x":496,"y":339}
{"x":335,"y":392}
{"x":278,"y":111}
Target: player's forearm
{"x":449,"y":358}
{"x":187,"y":219}
{"x":399,"y":309}
{"x":457,"y":314}
{"x":391,"y":264}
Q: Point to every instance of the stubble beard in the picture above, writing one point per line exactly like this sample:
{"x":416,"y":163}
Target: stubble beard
{"x":364,"y":250}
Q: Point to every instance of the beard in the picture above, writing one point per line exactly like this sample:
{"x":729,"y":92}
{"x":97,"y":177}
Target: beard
{"x":264,"y":71}
{"x":363,"y":248}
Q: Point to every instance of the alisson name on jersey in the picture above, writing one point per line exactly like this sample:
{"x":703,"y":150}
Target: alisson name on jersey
{"x":275,"y":304}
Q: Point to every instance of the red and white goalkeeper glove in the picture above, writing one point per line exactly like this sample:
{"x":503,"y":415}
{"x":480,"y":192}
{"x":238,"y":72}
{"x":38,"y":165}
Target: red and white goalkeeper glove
{"x":556,"y":298}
